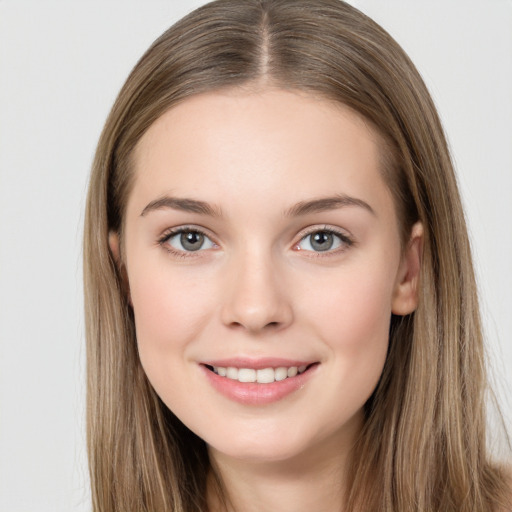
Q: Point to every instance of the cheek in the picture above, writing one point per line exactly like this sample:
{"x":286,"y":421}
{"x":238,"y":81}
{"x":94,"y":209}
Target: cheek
{"x":352,"y":318}
{"x":354,"y":309}
{"x":170,"y":309}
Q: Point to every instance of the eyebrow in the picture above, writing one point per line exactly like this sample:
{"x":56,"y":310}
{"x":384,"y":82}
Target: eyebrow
{"x":183,"y":204}
{"x":327,"y":203}
{"x":302,"y":208}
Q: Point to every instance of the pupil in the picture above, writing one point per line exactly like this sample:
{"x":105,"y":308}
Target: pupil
{"x":322,"y":241}
{"x":192,"y":240}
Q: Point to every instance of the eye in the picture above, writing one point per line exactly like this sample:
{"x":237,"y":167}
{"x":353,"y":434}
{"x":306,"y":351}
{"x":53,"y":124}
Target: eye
{"x":323,"y":240}
{"x":188,"y":240}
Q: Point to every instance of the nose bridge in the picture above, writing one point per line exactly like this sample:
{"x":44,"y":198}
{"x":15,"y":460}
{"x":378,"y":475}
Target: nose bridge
{"x":256,"y":298}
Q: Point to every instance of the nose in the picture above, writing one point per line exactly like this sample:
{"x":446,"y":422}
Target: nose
{"x":256,"y":298}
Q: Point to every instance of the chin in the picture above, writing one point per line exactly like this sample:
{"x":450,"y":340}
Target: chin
{"x":257,"y":453}
{"x":266,"y":445}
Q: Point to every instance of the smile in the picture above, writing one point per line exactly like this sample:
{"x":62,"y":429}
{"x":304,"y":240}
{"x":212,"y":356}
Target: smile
{"x":258,"y":382}
{"x":261,"y":376}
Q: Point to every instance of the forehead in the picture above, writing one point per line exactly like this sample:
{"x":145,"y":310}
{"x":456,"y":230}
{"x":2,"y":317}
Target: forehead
{"x":274,"y":144}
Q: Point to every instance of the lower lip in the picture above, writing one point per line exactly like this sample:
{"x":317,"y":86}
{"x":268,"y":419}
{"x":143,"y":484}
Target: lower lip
{"x":253,"y":393}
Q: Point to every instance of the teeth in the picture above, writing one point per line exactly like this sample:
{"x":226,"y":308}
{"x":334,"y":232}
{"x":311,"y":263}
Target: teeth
{"x":246,"y":375}
{"x":232,"y":373}
{"x":292,"y":371}
{"x":265,"y":376}
{"x":262,"y":376}
{"x":281,"y":373}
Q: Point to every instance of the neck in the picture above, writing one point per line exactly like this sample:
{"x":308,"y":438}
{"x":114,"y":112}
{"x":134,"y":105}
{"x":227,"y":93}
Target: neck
{"x":312,"y":480}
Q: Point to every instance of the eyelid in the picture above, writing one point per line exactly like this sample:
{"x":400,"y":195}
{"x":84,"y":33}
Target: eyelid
{"x":346,"y":239}
{"x":171,"y":232}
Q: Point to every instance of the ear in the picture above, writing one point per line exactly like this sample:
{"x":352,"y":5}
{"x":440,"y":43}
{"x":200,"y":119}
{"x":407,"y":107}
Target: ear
{"x":115,"y":248}
{"x":113,"y":243}
{"x":405,"y":296}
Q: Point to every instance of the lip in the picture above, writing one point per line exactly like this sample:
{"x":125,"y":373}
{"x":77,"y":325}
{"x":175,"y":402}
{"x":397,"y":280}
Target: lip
{"x":257,"y":364}
{"x":254,"y":393}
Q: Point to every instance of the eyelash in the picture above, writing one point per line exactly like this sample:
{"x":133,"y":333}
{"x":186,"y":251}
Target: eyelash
{"x":162,"y":241}
{"x":345,"y":240}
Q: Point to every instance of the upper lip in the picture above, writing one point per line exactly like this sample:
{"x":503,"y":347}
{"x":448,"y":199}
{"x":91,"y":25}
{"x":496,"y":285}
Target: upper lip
{"x":257,"y":364}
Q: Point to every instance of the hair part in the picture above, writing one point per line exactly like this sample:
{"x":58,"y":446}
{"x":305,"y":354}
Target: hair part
{"x":430,"y":399}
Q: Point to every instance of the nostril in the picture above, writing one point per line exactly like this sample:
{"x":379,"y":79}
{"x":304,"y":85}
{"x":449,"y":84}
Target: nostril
{"x":256,"y":313}
{"x":269,"y":325}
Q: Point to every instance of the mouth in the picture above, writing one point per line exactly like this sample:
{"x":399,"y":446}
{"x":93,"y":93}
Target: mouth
{"x":258,"y":382}
{"x":259,"y":375}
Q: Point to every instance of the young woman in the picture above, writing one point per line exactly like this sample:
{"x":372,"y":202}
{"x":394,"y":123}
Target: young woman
{"x":281,"y":307}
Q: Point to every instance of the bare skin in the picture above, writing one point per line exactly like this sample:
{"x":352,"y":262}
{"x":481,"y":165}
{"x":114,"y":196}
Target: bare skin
{"x":260,"y":232}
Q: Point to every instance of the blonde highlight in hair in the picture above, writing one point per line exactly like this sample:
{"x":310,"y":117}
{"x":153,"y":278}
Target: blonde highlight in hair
{"x":423,"y":445}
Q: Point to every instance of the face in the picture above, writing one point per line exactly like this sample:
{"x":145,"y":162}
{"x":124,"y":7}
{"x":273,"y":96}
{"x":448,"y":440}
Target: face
{"x":263,"y":261}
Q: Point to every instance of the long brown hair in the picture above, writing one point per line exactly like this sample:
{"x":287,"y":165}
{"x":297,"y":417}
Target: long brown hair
{"x":423,"y":445}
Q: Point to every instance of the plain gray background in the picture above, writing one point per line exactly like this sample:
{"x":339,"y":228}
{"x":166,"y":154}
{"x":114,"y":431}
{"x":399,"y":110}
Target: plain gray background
{"x":61,"y":66}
